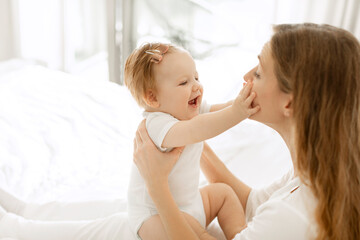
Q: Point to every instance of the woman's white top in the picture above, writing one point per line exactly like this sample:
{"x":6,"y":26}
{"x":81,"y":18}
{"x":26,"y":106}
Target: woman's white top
{"x":282,"y":211}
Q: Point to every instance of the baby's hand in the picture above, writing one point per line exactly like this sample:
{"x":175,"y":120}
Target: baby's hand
{"x":242,"y":103}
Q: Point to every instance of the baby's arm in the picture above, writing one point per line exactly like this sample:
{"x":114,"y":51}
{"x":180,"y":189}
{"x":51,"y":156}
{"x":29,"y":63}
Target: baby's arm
{"x":220,"y":106}
{"x":205,"y":126}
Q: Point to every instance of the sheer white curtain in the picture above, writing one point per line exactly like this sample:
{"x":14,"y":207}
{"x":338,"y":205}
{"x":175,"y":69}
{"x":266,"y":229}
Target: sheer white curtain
{"x":345,"y":14}
{"x":9,"y":30}
{"x":339,"y":13}
{"x":62,"y":34}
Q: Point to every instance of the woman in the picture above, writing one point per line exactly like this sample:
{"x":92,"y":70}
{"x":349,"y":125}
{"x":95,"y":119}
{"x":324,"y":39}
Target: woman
{"x":307,"y":85}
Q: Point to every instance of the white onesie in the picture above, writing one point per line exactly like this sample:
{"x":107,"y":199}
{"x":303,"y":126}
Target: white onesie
{"x":183,"y":179}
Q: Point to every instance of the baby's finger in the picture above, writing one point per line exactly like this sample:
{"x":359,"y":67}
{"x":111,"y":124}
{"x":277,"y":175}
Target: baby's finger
{"x":254,"y":110}
{"x":135,"y":150}
{"x":242,"y":89}
{"x":135,"y":144}
{"x":138,"y":138}
{"x":246,"y":90}
{"x":250,"y":98}
{"x":142,"y":131}
{"x":142,"y":125}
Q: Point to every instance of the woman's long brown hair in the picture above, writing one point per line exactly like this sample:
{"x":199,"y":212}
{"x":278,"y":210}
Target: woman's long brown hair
{"x":320,"y":66}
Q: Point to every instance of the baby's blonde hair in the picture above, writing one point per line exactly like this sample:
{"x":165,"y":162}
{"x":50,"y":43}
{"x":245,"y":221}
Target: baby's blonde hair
{"x":138,"y":73}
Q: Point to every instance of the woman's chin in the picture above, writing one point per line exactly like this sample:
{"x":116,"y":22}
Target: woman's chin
{"x":255,"y":116}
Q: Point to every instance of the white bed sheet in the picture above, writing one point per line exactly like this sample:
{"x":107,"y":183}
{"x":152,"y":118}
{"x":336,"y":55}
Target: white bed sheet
{"x":67,"y":139}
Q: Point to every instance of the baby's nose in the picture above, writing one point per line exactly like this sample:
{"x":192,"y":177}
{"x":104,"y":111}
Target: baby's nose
{"x":196,"y":87}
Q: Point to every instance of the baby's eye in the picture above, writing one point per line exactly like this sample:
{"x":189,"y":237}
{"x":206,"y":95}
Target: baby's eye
{"x":197,"y":78}
{"x":183,"y":83}
{"x":256,"y":75}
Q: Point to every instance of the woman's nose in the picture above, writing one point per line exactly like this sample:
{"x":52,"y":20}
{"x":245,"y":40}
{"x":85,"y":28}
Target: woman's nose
{"x":248,"y":76}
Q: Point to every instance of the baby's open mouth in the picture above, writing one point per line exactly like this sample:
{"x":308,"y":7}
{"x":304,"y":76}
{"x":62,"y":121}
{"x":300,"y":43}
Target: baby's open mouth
{"x":193,"y":101}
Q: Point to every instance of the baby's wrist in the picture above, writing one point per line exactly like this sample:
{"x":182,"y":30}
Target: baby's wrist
{"x":238,"y":112}
{"x":230,"y":103}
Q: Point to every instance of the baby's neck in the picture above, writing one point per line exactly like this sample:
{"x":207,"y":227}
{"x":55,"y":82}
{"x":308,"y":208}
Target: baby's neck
{"x":150,"y":109}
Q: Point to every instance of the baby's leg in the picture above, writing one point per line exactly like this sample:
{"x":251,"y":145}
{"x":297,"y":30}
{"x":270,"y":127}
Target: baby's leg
{"x":221,"y":201}
{"x":17,"y":227}
{"x":54,"y":211}
{"x":153,"y":229}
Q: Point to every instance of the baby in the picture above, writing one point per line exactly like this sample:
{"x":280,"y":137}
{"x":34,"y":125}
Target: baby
{"x":164,"y":81}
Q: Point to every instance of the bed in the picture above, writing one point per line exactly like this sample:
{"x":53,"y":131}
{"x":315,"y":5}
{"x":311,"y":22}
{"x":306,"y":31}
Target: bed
{"x":66,"y":138}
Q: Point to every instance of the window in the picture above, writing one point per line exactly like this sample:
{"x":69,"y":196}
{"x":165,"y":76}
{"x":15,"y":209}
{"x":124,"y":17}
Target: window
{"x":69,"y":35}
{"x":224,"y":37}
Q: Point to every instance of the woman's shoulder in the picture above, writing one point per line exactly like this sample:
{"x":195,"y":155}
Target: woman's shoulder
{"x":279,"y":220}
{"x":295,"y":195}
{"x":288,"y":213}
{"x":292,"y":210}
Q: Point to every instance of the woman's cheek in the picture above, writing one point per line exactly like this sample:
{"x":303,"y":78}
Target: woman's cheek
{"x":255,"y":90}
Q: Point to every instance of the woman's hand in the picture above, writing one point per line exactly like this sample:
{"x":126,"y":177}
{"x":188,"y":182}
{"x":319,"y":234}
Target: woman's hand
{"x":154,"y":165}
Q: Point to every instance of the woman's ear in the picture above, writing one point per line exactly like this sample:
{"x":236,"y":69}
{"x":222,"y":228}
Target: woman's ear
{"x":150,"y":99}
{"x":288,"y":111}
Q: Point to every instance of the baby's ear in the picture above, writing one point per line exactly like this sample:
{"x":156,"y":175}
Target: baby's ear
{"x":150,"y":99}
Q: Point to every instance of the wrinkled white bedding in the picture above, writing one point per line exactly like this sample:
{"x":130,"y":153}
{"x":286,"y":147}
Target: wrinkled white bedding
{"x":67,"y":139}
{"x":60,"y":135}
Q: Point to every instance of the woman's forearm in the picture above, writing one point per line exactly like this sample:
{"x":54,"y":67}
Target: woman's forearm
{"x":177,"y":225}
{"x":216,"y":171}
